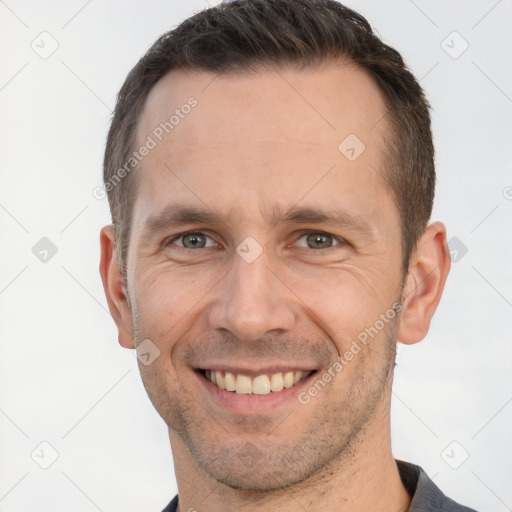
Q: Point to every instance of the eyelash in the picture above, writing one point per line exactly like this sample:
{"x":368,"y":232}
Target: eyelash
{"x":340,"y":241}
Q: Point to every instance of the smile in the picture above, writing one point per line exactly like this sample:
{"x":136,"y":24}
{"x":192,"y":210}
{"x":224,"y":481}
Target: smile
{"x":258,"y":385}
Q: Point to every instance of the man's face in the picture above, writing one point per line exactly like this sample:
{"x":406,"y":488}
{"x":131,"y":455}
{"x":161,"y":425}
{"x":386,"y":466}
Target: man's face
{"x":265,"y":286}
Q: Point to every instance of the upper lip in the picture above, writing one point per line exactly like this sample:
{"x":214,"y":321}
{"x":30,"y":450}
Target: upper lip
{"x":255,"y":370}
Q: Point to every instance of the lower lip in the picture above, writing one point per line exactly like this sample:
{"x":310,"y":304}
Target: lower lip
{"x":241,"y":403}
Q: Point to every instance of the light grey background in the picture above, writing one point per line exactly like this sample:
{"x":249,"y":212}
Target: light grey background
{"x":65,"y":381}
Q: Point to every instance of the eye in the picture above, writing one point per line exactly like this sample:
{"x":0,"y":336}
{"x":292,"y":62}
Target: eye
{"x":308,"y":240}
{"x":191,"y":240}
{"x":318,"y":240}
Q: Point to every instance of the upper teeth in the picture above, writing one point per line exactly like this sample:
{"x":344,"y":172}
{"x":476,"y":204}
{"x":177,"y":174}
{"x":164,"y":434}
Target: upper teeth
{"x":260,"y":385}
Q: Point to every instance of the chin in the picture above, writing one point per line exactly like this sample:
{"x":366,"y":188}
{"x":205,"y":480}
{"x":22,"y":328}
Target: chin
{"x":251,"y":468}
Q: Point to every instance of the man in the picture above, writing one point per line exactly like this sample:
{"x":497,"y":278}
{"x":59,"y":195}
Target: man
{"x":270,"y":176}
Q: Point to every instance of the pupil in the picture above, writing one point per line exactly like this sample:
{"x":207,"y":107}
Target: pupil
{"x":319,"y":241}
{"x":193,"y":240}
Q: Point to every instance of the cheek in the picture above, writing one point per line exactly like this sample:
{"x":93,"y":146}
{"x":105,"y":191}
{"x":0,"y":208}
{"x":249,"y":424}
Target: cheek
{"x":167,"y":298}
{"x":341,"y":301}
{"x":344,"y":301}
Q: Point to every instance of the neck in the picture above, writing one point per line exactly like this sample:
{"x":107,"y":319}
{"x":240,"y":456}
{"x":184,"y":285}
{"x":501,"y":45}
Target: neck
{"x":366,"y":479}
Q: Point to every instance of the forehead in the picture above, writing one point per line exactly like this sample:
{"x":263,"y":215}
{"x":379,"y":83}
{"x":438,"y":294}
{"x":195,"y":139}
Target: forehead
{"x":271,"y":134}
{"x":306,"y":105}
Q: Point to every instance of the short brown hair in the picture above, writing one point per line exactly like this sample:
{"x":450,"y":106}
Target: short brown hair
{"x":242,"y":36}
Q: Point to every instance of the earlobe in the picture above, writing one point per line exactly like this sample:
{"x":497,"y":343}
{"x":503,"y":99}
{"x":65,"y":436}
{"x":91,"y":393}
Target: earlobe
{"x":424,"y":284}
{"x":115,"y":291}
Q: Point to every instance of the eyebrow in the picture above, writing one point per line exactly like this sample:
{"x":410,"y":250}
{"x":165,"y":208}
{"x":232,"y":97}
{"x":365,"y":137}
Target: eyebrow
{"x":177,"y":215}
{"x":336,"y":218}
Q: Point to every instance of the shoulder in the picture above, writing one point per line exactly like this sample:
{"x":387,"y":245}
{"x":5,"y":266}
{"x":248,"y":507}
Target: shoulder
{"x":426,"y":496}
{"x":172,"y":506}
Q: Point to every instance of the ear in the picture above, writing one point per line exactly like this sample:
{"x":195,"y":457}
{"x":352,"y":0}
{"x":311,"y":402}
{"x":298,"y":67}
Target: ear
{"x":424,"y":284}
{"x":112,"y":278}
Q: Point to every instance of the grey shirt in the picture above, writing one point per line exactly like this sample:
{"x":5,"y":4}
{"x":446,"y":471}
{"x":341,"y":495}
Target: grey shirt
{"x":426,"y":496}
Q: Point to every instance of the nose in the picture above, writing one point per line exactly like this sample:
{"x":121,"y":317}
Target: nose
{"x":251,"y":301}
